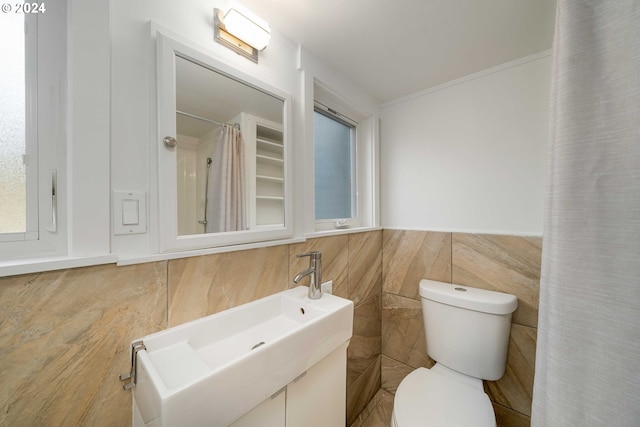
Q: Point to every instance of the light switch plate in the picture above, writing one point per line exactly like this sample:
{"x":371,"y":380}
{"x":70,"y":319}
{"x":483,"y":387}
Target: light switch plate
{"x":129,"y":212}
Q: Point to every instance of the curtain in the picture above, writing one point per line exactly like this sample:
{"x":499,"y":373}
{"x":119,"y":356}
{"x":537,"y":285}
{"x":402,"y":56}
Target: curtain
{"x":588,"y":350}
{"x":226,"y":210}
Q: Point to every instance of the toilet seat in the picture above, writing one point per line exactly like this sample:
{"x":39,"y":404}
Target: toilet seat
{"x":427,"y":397}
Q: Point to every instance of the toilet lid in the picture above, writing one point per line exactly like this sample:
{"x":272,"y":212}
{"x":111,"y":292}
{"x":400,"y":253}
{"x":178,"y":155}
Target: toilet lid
{"x":428,"y":398}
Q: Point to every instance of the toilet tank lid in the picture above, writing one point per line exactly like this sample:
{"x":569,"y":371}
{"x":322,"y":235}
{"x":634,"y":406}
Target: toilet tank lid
{"x":467,"y":297}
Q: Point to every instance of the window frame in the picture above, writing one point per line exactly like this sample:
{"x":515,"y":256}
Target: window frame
{"x":365,"y":159}
{"x":354,"y":218}
{"x":30,"y":156}
{"x":46,"y":83}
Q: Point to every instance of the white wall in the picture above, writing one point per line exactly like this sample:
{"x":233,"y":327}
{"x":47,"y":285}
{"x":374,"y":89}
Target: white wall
{"x":469,"y":155}
{"x":88,"y":149}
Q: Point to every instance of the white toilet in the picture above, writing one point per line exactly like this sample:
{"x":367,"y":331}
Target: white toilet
{"x":467,"y":331}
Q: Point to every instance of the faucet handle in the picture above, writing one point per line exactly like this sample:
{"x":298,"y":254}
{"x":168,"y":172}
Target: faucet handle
{"x":314,"y":255}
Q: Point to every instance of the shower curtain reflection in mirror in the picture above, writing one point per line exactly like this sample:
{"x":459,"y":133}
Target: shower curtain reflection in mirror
{"x":225,"y":206}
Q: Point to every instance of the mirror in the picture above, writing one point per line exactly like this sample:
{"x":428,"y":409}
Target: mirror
{"x":223,"y":173}
{"x":235,"y":187}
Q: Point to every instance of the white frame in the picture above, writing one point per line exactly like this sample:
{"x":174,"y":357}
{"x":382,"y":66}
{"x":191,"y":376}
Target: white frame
{"x":169,"y":241}
{"x":31,"y":136}
{"x":354,"y":218}
{"x":46,"y":139}
{"x":365,"y":161}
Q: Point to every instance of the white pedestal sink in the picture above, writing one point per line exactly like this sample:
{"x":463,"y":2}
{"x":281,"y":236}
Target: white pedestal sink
{"x":211,"y":371}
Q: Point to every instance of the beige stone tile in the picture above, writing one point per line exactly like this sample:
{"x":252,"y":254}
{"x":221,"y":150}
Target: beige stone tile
{"x":393,"y":372}
{"x":378,"y":412}
{"x":506,"y":417}
{"x":365,"y":345}
{"x":375,"y":400}
{"x":409,"y":256}
{"x":365,"y":265}
{"x":65,"y":336}
{"x":335,"y":261}
{"x":403,"y":331}
{"x":504,"y":263}
{"x":204,"y":285}
{"x":362,"y":390}
{"x":515,"y":389}
{"x":381,"y":414}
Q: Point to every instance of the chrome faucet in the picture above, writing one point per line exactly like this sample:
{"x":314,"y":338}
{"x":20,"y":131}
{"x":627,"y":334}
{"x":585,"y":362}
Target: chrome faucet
{"x":315,"y":273}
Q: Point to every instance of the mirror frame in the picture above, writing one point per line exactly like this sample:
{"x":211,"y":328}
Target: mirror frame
{"x":167,"y":48}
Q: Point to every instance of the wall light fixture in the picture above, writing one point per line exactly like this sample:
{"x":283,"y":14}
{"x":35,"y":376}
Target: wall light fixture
{"x":240,"y":33}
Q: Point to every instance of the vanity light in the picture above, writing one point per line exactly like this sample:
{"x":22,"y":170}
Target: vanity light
{"x":240,"y":33}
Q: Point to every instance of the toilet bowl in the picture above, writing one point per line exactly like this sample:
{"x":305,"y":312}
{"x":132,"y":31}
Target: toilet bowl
{"x":467,"y":333}
{"x":437,"y":397}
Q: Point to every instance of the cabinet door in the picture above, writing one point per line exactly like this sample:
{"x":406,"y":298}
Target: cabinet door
{"x":269,"y":413}
{"x":318,"y":398}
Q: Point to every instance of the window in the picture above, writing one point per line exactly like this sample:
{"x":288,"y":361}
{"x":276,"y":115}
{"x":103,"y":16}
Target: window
{"x":32,"y":132}
{"x":335,"y":168}
{"x":18,"y":149}
{"x":345,"y":153}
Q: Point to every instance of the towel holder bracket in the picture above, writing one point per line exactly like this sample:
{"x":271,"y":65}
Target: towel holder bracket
{"x":129,"y":379}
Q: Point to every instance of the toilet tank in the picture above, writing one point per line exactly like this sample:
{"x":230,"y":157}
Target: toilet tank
{"x":467,"y":329}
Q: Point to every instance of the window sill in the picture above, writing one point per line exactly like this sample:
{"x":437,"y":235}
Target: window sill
{"x":39,"y":265}
{"x":339,"y":231}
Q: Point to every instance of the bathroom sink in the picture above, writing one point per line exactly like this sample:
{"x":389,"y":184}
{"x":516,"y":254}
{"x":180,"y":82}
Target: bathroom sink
{"x":213,"y":370}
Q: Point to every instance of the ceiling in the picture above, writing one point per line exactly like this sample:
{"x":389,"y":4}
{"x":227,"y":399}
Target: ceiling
{"x":393,"y":48}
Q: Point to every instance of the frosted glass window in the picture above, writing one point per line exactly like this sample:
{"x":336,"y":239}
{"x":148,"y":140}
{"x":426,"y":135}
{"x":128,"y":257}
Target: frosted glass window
{"x":334,"y":168}
{"x":12,"y":124}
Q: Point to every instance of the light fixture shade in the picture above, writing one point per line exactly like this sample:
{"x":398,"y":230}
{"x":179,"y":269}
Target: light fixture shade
{"x":245,"y":29}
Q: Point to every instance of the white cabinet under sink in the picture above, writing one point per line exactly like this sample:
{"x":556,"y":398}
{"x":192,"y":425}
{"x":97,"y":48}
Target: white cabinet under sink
{"x":270,"y":413}
{"x":317,"y":398}
{"x":277,"y":361}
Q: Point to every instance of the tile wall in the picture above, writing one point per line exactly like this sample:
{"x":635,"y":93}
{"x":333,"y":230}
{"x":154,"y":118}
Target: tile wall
{"x":497,"y":262}
{"x":64,"y":335}
{"x":64,"y":338}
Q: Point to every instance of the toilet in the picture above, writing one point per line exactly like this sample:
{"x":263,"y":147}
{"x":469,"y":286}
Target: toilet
{"x":467,"y":331}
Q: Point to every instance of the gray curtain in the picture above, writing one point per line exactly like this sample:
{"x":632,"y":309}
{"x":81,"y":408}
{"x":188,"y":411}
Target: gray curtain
{"x":588,"y":351}
{"x":226,"y":198}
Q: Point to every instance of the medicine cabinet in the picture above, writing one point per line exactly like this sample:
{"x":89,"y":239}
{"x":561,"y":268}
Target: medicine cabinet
{"x":203,"y":103}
